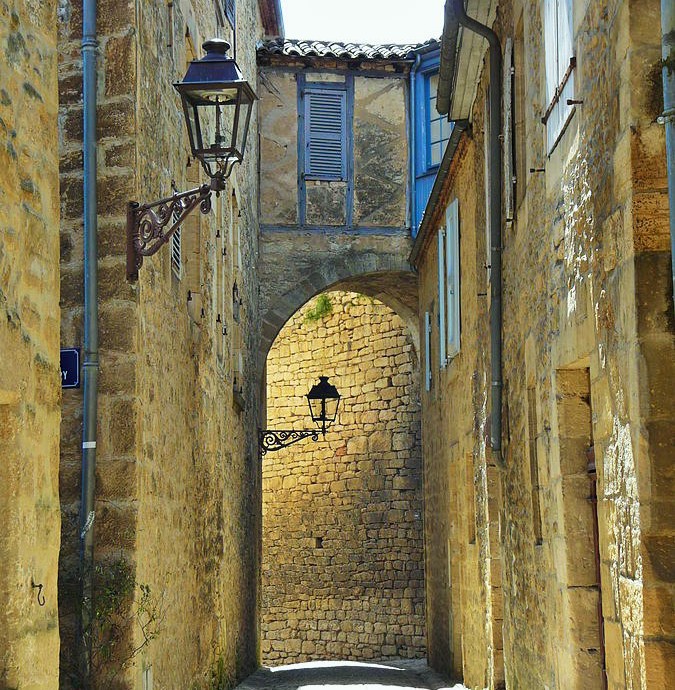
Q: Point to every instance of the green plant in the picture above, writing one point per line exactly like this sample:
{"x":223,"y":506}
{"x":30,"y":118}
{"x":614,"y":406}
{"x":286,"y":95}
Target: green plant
{"x":120,"y":606}
{"x":322,"y":307}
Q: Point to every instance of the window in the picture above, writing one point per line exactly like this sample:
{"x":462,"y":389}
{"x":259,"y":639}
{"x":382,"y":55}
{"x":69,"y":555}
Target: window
{"x":448,"y":284}
{"x":560,"y":63}
{"x":226,"y":11}
{"x":532,"y":427}
{"x":519,"y":112}
{"x":432,"y":132}
{"x":325,"y":113}
{"x":438,"y":126}
{"x":427,"y":351}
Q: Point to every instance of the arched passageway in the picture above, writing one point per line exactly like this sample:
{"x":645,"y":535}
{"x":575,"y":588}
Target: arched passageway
{"x":342,"y":563}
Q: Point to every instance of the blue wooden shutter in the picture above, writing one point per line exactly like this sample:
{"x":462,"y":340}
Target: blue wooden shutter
{"x":325,"y":134}
{"x":230,"y":8}
{"x":441,"y":297}
{"x":452,"y":279}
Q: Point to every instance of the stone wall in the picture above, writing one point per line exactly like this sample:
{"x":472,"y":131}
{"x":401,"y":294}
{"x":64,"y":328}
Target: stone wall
{"x":178,"y":485}
{"x":377,"y":177}
{"x":588,"y":332}
{"x":343,"y":576}
{"x":29,"y":342}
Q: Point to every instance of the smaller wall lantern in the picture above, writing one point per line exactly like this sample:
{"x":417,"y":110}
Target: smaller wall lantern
{"x":323,"y":399}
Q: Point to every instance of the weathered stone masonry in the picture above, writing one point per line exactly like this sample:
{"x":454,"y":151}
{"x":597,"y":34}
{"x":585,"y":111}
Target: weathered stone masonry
{"x":588,"y":341}
{"x":29,"y":345}
{"x":178,"y":485}
{"x":343,"y":576}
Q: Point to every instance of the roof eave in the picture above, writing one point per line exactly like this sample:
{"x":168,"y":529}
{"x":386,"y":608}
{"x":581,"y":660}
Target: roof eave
{"x":448,"y":66}
{"x":272,"y":18}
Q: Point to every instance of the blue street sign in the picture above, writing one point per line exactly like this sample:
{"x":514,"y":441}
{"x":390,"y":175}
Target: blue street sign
{"x":70,"y":367}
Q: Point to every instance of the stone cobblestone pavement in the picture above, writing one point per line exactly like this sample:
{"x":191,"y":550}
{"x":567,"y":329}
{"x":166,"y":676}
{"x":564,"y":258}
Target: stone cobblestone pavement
{"x":349,"y":675}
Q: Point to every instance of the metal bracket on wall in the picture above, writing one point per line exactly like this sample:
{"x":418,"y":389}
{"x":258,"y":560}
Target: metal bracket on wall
{"x":276,"y":439}
{"x":146,"y":222}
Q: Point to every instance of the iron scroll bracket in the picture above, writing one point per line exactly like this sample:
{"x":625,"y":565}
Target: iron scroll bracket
{"x":276,"y":439}
{"x":147,"y":223}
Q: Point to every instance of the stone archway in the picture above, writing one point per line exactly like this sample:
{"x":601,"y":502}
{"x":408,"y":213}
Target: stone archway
{"x":295,"y":267}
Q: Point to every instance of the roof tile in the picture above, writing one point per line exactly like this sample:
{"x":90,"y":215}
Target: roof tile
{"x":344,"y":51}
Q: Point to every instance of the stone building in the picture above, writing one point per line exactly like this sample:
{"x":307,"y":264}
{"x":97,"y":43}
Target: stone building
{"x":335,"y":174}
{"x":29,"y":343}
{"x":342,"y":559}
{"x":520,"y":259}
{"x":549,"y":554}
{"x":176,"y":520}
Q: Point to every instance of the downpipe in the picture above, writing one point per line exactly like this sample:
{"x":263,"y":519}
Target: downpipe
{"x":495,"y":185}
{"x":413,"y":144}
{"x":668,"y":117}
{"x":90,"y":344}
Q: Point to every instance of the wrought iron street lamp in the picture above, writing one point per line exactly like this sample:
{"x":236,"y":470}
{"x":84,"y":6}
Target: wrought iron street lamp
{"x":323,"y":399}
{"x":217,"y":104}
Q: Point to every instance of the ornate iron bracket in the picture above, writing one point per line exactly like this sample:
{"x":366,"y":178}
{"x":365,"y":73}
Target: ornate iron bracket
{"x":146,"y":223}
{"x":275,"y":439}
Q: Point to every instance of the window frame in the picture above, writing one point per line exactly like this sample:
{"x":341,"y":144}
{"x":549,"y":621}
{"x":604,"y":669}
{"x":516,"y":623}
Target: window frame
{"x":429,"y":119}
{"x":560,"y":64}
{"x":310,"y":90}
{"x":226,"y":11}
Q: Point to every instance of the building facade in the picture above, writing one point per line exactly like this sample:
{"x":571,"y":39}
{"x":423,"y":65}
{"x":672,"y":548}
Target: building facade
{"x":29,"y":336}
{"x":549,"y":559}
{"x":177,"y":484}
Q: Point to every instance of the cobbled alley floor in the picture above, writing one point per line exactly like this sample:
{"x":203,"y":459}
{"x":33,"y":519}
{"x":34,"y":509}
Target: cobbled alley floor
{"x":349,"y":675}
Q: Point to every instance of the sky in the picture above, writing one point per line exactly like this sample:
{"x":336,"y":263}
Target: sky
{"x":363,"y":21}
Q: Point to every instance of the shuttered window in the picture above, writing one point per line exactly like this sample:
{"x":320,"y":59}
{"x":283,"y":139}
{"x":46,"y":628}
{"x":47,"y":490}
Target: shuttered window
{"x":560,"y":63}
{"x":448,"y":285}
{"x":452,"y":278}
{"x":427,"y":351}
{"x":325,"y":134}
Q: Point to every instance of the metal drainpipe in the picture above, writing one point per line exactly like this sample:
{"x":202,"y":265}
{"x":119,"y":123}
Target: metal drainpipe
{"x":668,"y":117}
{"x":495,"y":223}
{"x":90,"y":360}
{"x":413,"y":142}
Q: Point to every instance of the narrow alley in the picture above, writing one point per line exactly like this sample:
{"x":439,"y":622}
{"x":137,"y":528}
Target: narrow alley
{"x":338,"y":675}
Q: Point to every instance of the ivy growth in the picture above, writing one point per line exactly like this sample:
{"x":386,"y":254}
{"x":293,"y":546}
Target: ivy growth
{"x":322,"y":308}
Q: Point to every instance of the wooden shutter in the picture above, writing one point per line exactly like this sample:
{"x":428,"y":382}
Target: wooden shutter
{"x":565,"y":59}
{"x":441,"y":296}
{"x":230,"y":11}
{"x":551,"y":55}
{"x":559,"y":53}
{"x":325,"y":133}
{"x":427,"y":351}
{"x":452,"y":279}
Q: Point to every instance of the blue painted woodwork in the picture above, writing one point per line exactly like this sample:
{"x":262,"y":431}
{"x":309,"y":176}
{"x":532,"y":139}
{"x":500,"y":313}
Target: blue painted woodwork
{"x":432,"y":132}
{"x":325,"y":131}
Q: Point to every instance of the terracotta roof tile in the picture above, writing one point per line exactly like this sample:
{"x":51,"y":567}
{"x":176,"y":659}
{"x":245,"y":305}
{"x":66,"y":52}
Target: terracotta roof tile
{"x":343,"y":51}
